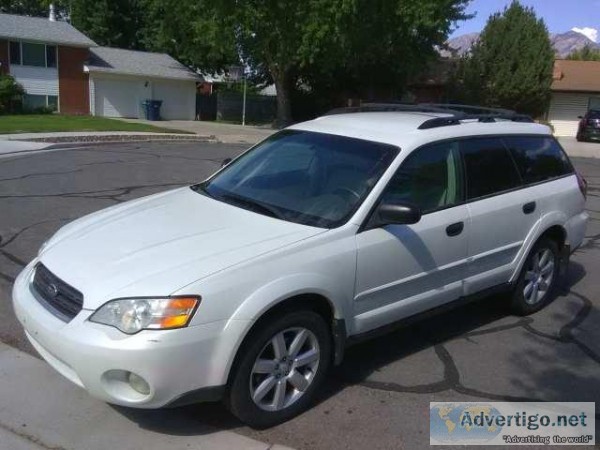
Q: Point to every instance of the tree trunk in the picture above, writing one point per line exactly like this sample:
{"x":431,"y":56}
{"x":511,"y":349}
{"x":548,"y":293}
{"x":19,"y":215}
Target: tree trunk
{"x":283,"y":86}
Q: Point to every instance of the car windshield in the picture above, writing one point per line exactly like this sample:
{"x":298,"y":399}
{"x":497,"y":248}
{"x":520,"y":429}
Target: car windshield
{"x":310,"y":178}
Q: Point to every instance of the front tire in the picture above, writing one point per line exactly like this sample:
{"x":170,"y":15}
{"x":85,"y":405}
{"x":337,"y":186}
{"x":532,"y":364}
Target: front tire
{"x":281,"y":367}
{"x":538,"y":279}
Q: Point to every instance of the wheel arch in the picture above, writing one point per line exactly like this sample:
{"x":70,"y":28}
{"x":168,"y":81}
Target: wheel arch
{"x":553,"y":229}
{"x":310,"y":300}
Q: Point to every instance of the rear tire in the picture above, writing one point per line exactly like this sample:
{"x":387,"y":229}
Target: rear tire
{"x":537,"y":282}
{"x":281,"y":367}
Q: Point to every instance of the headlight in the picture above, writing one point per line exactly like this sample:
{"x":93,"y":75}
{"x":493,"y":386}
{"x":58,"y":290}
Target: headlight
{"x":131,"y":315}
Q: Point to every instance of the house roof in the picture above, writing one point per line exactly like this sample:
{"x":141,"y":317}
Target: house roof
{"x":39,"y":29}
{"x":581,"y":76}
{"x":131,"y":62}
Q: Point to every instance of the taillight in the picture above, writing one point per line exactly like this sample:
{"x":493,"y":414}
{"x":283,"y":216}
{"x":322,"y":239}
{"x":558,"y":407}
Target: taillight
{"x":582,"y":184}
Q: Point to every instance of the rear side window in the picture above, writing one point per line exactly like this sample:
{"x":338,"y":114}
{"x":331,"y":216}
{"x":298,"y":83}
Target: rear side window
{"x":489,"y":167}
{"x":538,"y":158}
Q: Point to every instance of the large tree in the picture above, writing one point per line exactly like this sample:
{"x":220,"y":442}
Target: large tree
{"x":326,"y":44}
{"x":113,"y":23}
{"x":511,"y":64}
{"x":25,"y":7}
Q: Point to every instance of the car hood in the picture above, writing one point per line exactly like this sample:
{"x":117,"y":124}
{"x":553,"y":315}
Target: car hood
{"x":159,"y":244}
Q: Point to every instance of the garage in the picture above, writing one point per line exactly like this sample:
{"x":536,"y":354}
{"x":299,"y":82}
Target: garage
{"x":575,"y":90}
{"x":565,"y":108}
{"x":117,"y":98}
{"x":120,"y":80}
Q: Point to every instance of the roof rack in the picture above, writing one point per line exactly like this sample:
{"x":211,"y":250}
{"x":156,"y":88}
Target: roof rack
{"x":387,"y":107}
{"x":457,"y":113}
{"x":484,"y":118}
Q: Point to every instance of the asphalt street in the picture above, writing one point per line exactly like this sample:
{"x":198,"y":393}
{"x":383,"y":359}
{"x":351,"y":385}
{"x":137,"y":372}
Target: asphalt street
{"x":379,"y":397}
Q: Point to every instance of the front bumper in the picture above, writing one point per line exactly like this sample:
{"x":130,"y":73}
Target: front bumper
{"x":98,"y":357}
{"x":590,"y":133}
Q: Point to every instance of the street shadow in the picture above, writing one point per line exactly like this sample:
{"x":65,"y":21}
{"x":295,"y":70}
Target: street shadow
{"x":362,"y":360}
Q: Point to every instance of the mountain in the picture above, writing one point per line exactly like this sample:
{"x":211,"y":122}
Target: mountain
{"x":567,"y":43}
{"x":564,"y":43}
{"x":591,"y":33}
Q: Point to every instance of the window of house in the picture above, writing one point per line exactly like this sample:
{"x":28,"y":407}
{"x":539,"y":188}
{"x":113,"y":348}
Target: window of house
{"x":53,"y":102}
{"x":32,"y":101}
{"x":33,"y":54}
{"x":489,"y":167}
{"x":538,"y":158}
{"x":30,"y":54}
{"x":15,"y":53}
{"x":430,"y":178}
{"x":51,"y":56}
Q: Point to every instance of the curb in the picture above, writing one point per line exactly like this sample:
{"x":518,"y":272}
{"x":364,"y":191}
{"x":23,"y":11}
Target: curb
{"x":95,"y":139}
{"x":42,"y":410}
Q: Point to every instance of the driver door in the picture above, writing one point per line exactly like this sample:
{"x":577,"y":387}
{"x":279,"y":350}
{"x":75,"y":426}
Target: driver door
{"x":406,"y":269}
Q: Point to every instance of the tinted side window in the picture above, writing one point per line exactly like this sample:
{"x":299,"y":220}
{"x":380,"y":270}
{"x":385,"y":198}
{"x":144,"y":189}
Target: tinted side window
{"x":430,"y":178}
{"x":489,"y":167}
{"x":538,"y":158}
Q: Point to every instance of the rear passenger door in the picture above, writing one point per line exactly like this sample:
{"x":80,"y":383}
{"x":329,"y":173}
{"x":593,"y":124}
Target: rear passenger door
{"x":503,"y":211}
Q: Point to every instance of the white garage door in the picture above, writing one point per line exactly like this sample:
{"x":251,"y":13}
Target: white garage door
{"x":118,"y":98}
{"x":564,"y":111}
{"x":178,"y":97}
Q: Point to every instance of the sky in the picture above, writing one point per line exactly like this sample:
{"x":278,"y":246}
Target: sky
{"x":559,"y":15}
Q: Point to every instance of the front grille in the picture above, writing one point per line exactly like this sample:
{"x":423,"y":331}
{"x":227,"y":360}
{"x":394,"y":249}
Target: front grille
{"x":55,"y":295}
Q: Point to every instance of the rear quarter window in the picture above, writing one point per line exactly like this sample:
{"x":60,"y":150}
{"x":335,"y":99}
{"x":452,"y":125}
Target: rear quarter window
{"x":538,"y":158}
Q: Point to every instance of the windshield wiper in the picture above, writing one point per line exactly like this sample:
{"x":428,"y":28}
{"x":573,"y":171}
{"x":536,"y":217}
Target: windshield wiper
{"x":201,"y":189}
{"x":253,"y":205}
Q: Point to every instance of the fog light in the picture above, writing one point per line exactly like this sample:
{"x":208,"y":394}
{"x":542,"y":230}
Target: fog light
{"x":139,"y":384}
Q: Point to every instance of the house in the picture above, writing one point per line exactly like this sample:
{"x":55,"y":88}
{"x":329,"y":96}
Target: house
{"x":46,"y":58}
{"x":119,"y":80}
{"x":575,"y":90}
{"x":60,"y":67}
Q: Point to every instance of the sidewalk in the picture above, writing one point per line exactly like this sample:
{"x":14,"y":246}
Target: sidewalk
{"x":42,"y":410}
{"x":223,"y":132}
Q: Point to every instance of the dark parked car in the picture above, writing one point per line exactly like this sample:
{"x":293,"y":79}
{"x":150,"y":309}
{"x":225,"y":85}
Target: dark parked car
{"x":589,"y":126}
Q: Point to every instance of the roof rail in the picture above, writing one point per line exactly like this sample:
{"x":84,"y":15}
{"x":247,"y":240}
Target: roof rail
{"x":457,"y":112}
{"x":484,"y":118}
{"x":470,"y":109}
{"x":387,"y":107}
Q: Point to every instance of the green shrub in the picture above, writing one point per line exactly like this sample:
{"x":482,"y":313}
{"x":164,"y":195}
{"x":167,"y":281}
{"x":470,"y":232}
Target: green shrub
{"x":11,"y":95}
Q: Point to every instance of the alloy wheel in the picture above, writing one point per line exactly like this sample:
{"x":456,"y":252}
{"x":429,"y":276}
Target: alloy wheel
{"x":539,"y":275}
{"x":284,"y":369}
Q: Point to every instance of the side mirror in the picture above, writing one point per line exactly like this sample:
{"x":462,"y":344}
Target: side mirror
{"x":580,"y":117}
{"x":226,"y":162}
{"x":397,"y":214}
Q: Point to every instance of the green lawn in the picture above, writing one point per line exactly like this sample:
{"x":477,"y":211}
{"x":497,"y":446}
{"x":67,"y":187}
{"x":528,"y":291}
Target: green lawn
{"x":47,"y":123}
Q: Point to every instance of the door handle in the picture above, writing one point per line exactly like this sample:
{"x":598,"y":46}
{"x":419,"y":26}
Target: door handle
{"x":528,"y":208}
{"x":455,"y":229}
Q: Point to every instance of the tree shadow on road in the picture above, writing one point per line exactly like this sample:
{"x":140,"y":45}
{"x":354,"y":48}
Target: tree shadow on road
{"x":366,"y":358}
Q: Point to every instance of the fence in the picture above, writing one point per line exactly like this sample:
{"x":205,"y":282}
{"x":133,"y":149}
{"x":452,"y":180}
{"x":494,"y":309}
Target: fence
{"x":227,"y":106}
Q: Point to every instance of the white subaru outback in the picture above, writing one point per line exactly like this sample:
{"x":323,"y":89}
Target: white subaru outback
{"x":248,"y":287}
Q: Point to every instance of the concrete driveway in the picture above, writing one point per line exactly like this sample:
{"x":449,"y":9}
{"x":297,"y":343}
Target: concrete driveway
{"x":379,"y":397}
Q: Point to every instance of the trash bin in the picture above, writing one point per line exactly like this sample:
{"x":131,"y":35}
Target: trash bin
{"x":152,"y":109}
